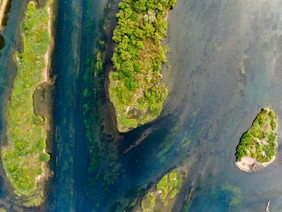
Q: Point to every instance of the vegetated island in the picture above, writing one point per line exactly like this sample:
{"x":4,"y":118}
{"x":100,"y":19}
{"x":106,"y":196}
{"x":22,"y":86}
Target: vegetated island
{"x":24,"y":157}
{"x":162,"y":197}
{"x":257,"y":146}
{"x":135,"y":89}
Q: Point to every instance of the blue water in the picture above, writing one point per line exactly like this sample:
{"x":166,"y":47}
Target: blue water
{"x":68,"y":133}
{"x":211,"y":103}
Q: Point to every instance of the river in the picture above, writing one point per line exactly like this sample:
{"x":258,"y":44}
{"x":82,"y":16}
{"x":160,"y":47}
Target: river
{"x":224,"y":65}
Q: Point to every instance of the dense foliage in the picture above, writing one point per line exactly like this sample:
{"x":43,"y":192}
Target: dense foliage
{"x":164,"y":194}
{"x":26,"y":132}
{"x":259,"y":141}
{"x":135,"y":88}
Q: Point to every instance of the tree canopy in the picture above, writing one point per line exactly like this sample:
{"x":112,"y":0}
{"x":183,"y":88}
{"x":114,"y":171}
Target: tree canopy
{"x":137,"y":59}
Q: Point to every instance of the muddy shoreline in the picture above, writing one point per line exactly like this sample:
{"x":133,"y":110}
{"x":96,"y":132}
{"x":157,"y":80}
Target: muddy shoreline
{"x":108,"y":112}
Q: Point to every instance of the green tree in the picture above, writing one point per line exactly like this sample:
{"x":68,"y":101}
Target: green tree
{"x":140,"y":45}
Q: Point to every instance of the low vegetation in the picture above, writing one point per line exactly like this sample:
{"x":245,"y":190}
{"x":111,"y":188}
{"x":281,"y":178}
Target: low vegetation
{"x":24,"y":155}
{"x":135,"y":88}
{"x":259,"y":142}
{"x":162,"y":197}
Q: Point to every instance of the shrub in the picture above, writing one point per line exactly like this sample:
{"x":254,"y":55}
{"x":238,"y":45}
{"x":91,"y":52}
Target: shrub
{"x":44,"y":157}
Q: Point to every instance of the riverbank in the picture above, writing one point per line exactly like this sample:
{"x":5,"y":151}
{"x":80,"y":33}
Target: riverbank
{"x":25,"y":156}
{"x":3,"y":4}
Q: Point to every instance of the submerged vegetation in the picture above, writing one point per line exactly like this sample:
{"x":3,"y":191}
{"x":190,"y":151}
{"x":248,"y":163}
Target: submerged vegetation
{"x":162,"y":197}
{"x":259,"y":142}
{"x":24,"y":156}
{"x":135,"y":88}
{"x":103,"y":159}
{"x":232,"y":194}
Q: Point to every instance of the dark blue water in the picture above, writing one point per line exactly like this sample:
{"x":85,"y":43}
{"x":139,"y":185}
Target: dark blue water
{"x":70,"y":154}
{"x":211,"y":103}
{"x":68,"y":133}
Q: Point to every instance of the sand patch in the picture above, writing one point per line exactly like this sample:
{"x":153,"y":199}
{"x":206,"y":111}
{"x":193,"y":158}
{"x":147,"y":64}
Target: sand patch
{"x":249,"y":164}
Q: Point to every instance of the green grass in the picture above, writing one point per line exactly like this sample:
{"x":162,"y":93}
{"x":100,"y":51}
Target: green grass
{"x":259,"y":142}
{"x":26,"y":132}
{"x":166,"y":191}
{"x":135,"y":88}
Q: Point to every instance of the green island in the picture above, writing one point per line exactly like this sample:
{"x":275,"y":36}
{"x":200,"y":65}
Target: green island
{"x":24,"y":157}
{"x":135,"y":89}
{"x":257,"y":146}
{"x":162,"y":197}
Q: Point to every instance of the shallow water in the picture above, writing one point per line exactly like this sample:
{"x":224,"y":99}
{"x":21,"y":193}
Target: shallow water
{"x":211,"y":103}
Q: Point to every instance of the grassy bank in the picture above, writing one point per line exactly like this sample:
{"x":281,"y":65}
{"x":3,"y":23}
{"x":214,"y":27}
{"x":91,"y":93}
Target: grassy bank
{"x":259,"y":142}
{"x":135,"y":88}
{"x":24,"y":156}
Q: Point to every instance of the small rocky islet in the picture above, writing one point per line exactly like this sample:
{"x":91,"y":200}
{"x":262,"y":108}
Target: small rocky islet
{"x":258,"y":145}
{"x":163,"y":196}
